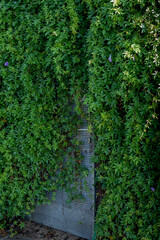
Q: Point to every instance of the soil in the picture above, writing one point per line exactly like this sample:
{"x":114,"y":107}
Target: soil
{"x":35,"y":231}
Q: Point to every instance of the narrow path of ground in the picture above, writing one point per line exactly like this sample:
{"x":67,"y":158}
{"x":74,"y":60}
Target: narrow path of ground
{"x":35,"y":231}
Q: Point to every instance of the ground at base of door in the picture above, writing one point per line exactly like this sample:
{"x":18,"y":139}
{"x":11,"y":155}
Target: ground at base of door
{"x":35,"y":231}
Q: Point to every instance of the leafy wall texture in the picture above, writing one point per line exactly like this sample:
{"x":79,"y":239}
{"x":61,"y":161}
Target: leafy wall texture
{"x":53,"y":54}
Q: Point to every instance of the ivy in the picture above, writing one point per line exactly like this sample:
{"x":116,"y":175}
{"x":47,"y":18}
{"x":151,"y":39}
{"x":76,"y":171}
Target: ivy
{"x":123,"y":101}
{"x":42,"y":77}
{"x":56,"y":56}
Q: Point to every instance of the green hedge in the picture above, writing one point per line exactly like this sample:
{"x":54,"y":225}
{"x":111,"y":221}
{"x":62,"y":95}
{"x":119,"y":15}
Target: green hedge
{"x":123,"y":100}
{"x":53,"y":54}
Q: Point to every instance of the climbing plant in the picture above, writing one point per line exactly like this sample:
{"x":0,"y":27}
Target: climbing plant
{"x":123,"y":102}
{"x":55,"y":55}
{"x":42,"y":78}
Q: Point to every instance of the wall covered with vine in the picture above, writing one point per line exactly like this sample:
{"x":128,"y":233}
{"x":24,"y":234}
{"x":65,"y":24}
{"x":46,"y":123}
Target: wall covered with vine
{"x":53,"y":54}
{"x":42,"y":67}
{"x":123,"y":101}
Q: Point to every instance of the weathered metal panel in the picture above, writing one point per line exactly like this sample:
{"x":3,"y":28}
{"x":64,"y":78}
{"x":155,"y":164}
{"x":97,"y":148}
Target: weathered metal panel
{"x":78,"y":217}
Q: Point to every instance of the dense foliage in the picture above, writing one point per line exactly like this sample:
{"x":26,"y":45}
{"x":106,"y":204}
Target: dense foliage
{"x":42,"y":76}
{"x":123,"y":100}
{"x":53,"y":55}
